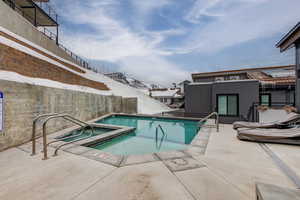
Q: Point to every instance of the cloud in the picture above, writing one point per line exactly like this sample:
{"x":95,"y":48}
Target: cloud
{"x":143,"y":36}
{"x":137,"y":53}
{"x":246,"y":20}
{"x":154,"y":69}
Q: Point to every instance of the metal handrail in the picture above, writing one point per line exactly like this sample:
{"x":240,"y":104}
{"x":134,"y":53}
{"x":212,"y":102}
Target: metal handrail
{"x":75,"y":121}
{"x":209,"y":116}
{"x":64,"y":116}
{"x":34,"y":129}
{"x":156,"y":136}
{"x":57,"y":148}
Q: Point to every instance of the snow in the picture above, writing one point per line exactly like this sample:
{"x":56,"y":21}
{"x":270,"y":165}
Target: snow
{"x":164,"y":93}
{"x":146,"y":104}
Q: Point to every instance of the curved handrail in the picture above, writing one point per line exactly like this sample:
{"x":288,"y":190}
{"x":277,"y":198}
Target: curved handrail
{"x":209,"y":116}
{"x":34,"y":129}
{"x":64,"y":116}
{"x":57,"y":148}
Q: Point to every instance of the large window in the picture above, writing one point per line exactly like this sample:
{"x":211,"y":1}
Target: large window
{"x":265,"y":99}
{"x":228,"y":104}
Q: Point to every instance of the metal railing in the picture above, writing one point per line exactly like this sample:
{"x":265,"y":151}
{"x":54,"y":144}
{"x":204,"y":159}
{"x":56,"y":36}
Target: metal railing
{"x":51,"y":13}
{"x":76,"y":58}
{"x":158,"y":144}
{"x":47,"y":9}
{"x":44,"y":134}
{"x":201,"y":122}
{"x":34,"y":129}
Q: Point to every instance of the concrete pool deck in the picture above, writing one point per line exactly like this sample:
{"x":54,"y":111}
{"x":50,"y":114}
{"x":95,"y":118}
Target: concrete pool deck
{"x":229,"y":169}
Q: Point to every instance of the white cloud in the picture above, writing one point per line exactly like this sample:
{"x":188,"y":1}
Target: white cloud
{"x":249,"y":20}
{"x":154,"y":69}
{"x":137,"y":52}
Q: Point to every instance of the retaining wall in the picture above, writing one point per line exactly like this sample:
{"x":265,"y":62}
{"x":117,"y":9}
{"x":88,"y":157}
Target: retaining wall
{"x":23,"y":102}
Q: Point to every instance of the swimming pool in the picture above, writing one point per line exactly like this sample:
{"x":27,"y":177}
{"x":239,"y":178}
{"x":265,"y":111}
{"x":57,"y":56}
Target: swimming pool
{"x":151,"y":134}
{"x":79,"y":134}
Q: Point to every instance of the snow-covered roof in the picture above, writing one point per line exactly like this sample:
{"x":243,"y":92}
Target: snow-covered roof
{"x":146,"y":105}
{"x":164,"y":93}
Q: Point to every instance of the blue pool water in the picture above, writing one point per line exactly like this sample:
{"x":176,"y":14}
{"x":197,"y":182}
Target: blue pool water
{"x":178,"y":133}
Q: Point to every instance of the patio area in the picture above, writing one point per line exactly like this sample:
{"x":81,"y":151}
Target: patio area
{"x":228,"y":169}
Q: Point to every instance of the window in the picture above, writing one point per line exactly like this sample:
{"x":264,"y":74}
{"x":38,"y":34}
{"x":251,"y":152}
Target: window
{"x":265,"y":99}
{"x":228,"y":104}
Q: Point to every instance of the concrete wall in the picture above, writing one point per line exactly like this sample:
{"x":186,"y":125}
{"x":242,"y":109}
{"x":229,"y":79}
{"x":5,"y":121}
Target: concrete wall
{"x":17,"y":24}
{"x":23,"y":102}
{"x":201,"y":99}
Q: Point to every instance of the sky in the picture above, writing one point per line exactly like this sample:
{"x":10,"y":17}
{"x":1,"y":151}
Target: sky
{"x":164,"y":41}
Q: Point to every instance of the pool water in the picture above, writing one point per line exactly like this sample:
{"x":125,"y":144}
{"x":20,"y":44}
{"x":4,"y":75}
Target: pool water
{"x":85,"y":134}
{"x":177,"y":134}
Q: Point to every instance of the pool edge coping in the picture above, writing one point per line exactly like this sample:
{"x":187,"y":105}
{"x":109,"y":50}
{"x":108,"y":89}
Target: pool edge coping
{"x":197,"y":146}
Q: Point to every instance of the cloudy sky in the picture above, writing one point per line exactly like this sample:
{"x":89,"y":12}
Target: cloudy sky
{"x":164,"y":41}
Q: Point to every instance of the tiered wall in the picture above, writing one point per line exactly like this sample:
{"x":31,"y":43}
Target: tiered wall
{"x":23,"y":102}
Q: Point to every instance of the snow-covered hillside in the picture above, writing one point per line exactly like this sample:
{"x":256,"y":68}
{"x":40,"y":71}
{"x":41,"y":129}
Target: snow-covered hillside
{"x":146,"y":105}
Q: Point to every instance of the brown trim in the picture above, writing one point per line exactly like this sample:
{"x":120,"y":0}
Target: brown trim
{"x":41,"y":52}
{"x":226,"y":72}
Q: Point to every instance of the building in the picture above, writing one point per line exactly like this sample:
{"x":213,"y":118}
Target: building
{"x":292,"y":39}
{"x":234,"y":94}
{"x":170,"y":96}
{"x":183,"y":84}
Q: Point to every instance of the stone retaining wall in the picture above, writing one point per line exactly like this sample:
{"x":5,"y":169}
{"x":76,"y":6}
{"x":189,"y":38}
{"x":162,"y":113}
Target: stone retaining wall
{"x":23,"y":102}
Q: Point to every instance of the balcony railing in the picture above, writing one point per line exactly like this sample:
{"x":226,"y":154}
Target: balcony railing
{"x":49,"y":11}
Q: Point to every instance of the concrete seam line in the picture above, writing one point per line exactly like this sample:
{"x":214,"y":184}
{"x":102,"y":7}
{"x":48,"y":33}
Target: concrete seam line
{"x":93,"y":184}
{"x":285,"y":169}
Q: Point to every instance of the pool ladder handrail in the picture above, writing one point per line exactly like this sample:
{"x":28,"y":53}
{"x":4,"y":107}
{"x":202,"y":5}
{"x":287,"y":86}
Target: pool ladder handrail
{"x":159,"y":127}
{"x":66,"y":117}
{"x":54,"y":116}
{"x":201,"y":122}
{"x":33,"y":137}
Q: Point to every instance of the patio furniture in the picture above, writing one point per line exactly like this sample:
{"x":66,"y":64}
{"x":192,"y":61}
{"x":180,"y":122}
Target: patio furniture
{"x":288,"y":120}
{"x":281,"y":136}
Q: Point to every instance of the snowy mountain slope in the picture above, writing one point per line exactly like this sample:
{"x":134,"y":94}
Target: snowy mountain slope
{"x":146,"y":105}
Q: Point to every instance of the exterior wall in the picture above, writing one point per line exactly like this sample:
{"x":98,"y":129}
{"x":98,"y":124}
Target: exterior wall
{"x":23,"y":102}
{"x":201,"y":99}
{"x":15,"y":23}
{"x":248,"y":92}
{"x":298,"y":75}
{"x":198,"y":99}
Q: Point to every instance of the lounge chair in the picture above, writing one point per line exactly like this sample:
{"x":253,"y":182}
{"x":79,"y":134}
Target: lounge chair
{"x":282,"y":136}
{"x":289,"y":119}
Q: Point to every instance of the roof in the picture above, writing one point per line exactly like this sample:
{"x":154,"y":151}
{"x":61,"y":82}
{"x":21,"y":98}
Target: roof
{"x":167,"y":92}
{"x":290,"y":38}
{"x":238,"y":71}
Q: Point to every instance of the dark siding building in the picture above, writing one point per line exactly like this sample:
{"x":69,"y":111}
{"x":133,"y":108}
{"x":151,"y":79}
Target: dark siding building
{"x":235,"y":94}
{"x":231,"y":99}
